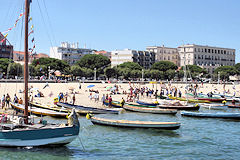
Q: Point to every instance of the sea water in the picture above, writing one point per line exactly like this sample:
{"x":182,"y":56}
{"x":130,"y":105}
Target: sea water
{"x":197,"y":138}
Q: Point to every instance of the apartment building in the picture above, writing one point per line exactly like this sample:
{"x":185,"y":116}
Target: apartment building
{"x":144,"y":58}
{"x":70,"y":53}
{"x":6,"y":49}
{"x":206,"y":56}
{"x":165,"y":54}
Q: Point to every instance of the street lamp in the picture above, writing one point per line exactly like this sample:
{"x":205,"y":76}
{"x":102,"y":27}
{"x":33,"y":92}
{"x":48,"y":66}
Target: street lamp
{"x":95,"y":74}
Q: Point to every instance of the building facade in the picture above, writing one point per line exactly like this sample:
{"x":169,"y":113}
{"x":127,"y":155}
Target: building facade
{"x":144,"y":58}
{"x":165,"y":54}
{"x":69,"y":52}
{"x":6,"y":49}
{"x":103,"y":53}
{"x":206,"y":56}
{"x":18,"y":57}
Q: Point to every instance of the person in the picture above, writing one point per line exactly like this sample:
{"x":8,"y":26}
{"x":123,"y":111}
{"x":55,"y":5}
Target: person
{"x":15,"y":100}
{"x":122,"y":102}
{"x":3,"y":101}
{"x":7,"y":100}
{"x":73,"y":99}
{"x":180,"y":93}
{"x":80,"y":86}
{"x":20,"y":101}
{"x":103,"y":99}
{"x":110,"y":101}
{"x":66,"y":96}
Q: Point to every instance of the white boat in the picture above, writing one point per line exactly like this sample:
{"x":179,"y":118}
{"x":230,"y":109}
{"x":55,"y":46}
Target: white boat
{"x":211,"y":115}
{"x":135,"y":124}
{"x":149,"y":110}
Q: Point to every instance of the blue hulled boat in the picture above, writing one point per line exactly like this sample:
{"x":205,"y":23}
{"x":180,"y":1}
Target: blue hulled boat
{"x":23,"y":133}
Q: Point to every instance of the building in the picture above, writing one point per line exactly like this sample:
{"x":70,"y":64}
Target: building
{"x":6,"y":49}
{"x":18,"y":57}
{"x":103,"y":53}
{"x":165,"y":54}
{"x":69,"y":52}
{"x":143,"y":58}
{"x":206,"y":56}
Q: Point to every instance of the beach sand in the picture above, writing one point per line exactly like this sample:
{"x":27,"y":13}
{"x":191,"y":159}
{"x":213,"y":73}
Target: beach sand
{"x":82,"y":95}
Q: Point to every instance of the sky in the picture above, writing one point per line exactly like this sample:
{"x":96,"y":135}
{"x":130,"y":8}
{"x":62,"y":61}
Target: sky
{"x":119,"y":24}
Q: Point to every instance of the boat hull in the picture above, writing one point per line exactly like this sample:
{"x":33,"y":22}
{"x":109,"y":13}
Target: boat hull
{"x":212,"y":115}
{"x":38,"y":137}
{"x":40,"y":111}
{"x":135,"y":124}
{"x":150,"y":110}
{"x":179,"y":107}
{"x":147,"y":104}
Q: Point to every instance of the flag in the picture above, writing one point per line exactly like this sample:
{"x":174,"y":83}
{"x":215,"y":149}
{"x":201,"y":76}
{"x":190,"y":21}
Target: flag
{"x":32,"y":40}
{"x":31,"y":27}
{"x":30,"y":19}
{"x":30,"y":33}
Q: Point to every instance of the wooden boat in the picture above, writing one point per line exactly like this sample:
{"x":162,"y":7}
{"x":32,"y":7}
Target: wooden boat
{"x":146,"y":103}
{"x":185,"y":107}
{"x":28,"y":134}
{"x":85,"y":110}
{"x":212,"y":115}
{"x":149,"y":110}
{"x":135,"y":124}
{"x":212,"y":99}
{"x":214,"y":106}
{"x":52,"y":107}
{"x":234,"y":106}
{"x":138,"y":105}
{"x":39,"y":111}
{"x":114,"y":104}
{"x":189,"y":100}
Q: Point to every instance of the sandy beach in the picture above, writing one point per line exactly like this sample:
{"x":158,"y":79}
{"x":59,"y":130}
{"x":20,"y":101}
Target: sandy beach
{"x":82,"y":95}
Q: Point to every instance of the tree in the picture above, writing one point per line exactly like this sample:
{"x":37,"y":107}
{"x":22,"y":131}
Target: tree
{"x":130,"y":65}
{"x":110,"y":72}
{"x":15,"y":69}
{"x":4,"y":62}
{"x":237,"y":66}
{"x":76,"y":70}
{"x":226,"y":71}
{"x":156,"y":74}
{"x":55,"y":64}
{"x":164,"y":66}
{"x":170,"y":74}
{"x":194,"y":70}
{"x":94,"y":61}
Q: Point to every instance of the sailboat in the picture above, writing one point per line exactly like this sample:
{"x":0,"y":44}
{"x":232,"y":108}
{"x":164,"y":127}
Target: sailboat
{"x":27,"y":134}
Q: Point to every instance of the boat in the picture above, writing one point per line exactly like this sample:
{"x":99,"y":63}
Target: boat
{"x":189,"y":100}
{"x":115,"y":104}
{"x":135,"y":124}
{"x":25,"y":133}
{"x":211,"y":115}
{"x":212,"y":99}
{"x":138,"y":105}
{"x":179,"y":107}
{"x":85,"y":109}
{"x":214,"y":106}
{"x":39,"y":111}
{"x":204,"y":97}
{"x":234,"y":106}
{"x":50,"y":107}
{"x":149,"y":110}
{"x":147,"y":103}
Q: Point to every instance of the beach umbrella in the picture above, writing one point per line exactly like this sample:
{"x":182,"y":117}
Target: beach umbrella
{"x":90,"y":86}
{"x":108,"y":87}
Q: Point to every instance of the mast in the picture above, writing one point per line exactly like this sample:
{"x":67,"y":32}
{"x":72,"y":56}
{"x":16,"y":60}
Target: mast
{"x":26,"y":62}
